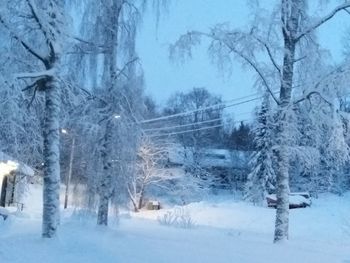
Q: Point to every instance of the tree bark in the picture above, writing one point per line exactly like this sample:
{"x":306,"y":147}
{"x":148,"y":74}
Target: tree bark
{"x":142,"y":193}
{"x":282,"y":174}
{"x":105,"y":191}
{"x":110,"y":82}
{"x":136,"y":210}
{"x":51,"y":159}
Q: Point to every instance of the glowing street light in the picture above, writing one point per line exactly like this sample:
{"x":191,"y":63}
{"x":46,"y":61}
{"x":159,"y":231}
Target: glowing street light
{"x":117,"y":116}
{"x":64,"y":131}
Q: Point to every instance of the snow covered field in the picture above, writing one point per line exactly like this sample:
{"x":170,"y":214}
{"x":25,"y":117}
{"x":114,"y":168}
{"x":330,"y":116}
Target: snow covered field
{"x":225,"y":231}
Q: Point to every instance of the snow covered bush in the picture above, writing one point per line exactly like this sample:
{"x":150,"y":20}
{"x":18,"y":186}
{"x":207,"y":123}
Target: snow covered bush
{"x":179,"y":217}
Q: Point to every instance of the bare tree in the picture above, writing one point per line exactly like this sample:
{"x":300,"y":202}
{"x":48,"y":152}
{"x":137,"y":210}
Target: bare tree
{"x":150,"y":171}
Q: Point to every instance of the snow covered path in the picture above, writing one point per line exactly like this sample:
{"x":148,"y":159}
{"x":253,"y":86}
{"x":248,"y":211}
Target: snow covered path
{"x":226,"y":231}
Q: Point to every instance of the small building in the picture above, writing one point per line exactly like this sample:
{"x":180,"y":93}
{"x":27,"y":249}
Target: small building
{"x":13,"y":178}
{"x":228,"y":167}
{"x":208,"y":157}
{"x":153,"y":205}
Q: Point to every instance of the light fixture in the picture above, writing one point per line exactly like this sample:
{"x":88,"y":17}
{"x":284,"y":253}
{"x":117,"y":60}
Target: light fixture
{"x":64,"y":131}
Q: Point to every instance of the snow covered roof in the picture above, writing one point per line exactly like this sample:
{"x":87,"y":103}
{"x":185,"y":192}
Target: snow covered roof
{"x":9,"y":164}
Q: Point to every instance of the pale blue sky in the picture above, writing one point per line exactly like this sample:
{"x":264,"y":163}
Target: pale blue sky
{"x":163,"y":77}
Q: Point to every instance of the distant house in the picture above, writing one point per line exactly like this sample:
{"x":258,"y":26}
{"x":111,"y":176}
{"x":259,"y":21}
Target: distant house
{"x":13,"y":176}
{"x":208,"y":157}
{"x":229,"y":167}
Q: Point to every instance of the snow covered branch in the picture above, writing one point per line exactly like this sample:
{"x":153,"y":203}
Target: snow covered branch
{"x":269,"y":52}
{"x":45,"y":73}
{"x":125,"y":67}
{"x":43,"y":29}
{"x":230,"y":40}
{"x":310,"y":94}
{"x":324,"y":19}
{"x":23,"y":42}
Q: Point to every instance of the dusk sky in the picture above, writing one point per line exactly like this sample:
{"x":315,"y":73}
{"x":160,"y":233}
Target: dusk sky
{"x":164,"y":77}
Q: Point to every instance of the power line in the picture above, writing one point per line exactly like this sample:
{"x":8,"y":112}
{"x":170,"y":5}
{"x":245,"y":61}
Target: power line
{"x":189,"y":124}
{"x":193,"y":130}
{"x":175,"y":133}
{"x":222,"y":104}
{"x":180,"y":126}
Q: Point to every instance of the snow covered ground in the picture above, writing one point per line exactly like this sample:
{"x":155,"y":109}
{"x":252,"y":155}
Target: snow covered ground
{"x":225,"y":231}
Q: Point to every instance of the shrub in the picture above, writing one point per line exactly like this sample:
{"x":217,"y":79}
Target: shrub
{"x":178,"y":217}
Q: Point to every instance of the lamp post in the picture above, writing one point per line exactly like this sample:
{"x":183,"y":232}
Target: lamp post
{"x":69,"y":176}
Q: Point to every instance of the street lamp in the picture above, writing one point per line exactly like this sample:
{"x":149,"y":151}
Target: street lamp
{"x":117,"y":116}
{"x":68,"y":178}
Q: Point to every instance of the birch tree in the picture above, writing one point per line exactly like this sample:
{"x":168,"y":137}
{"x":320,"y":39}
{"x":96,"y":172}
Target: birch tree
{"x":44,"y":22}
{"x":114,"y":83}
{"x":293,"y":26}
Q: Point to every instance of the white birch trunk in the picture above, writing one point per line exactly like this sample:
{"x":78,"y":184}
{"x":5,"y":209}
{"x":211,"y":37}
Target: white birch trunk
{"x":282,"y":173}
{"x":51,"y":159}
{"x":282,"y":212}
{"x":110,"y":81}
{"x":105,"y":190}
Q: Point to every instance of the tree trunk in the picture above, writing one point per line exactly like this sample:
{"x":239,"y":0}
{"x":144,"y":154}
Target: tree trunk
{"x":132,"y":196}
{"x":282,"y":212}
{"x":110,"y":82}
{"x":51,"y":159}
{"x":105,"y":191}
{"x":282,"y":174}
{"x":136,"y":210}
{"x":142,"y":193}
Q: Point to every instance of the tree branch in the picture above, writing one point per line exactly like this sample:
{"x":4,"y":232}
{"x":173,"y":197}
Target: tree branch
{"x":29,"y":86}
{"x":33,"y":97}
{"x":42,"y":28}
{"x":257,"y":70}
{"x":87,"y":42}
{"x":323,"y":20}
{"x":46,"y":73}
{"x":244,"y":57}
{"x":23,"y":43}
{"x":121,"y":71}
{"x":299,"y":59}
{"x":308,"y":96}
{"x":270,"y":55}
